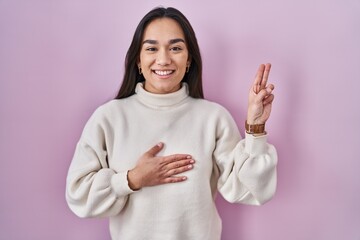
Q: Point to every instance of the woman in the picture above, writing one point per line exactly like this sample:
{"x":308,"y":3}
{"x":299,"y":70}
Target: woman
{"x":153,"y":159}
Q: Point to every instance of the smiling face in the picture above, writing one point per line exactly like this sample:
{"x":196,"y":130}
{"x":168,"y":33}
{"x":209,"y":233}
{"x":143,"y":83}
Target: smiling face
{"x":163,"y":56}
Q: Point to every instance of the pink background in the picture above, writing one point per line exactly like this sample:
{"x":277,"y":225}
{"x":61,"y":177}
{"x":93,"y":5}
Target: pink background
{"x":59,"y":60}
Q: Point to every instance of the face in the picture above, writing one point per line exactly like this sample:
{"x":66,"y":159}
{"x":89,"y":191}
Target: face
{"x":163,"y":56}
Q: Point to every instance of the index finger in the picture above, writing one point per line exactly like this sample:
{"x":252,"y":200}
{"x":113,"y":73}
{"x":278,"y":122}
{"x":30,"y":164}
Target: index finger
{"x":176,"y":157}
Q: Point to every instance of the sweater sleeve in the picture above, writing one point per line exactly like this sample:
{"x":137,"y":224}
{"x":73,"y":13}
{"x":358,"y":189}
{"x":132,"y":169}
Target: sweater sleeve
{"x":92,"y":188}
{"x":246,"y":167}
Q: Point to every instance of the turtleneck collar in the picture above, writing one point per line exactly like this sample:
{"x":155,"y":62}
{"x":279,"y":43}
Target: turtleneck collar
{"x":161,"y":100}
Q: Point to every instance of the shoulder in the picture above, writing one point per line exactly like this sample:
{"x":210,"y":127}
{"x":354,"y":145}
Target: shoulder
{"x":212,"y":112}
{"x":107,"y":112}
{"x":112,"y":107}
{"x":217,"y":116}
{"x":105,"y":116}
{"x":208,"y":106}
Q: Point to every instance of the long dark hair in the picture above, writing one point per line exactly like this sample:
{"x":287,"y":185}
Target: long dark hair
{"x":131,"y":76}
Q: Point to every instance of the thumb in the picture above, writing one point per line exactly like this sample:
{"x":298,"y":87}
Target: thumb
{"x":155,"y":149}
{"x":264,"y":93}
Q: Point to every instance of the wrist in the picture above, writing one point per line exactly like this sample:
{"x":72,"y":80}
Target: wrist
{"x":134,"y":180}
{"x":258,"y":129}
{"x":253,"y":121}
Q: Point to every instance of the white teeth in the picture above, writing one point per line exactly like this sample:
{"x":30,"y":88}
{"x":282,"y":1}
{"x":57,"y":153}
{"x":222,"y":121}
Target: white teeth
{"x":163,"y":73}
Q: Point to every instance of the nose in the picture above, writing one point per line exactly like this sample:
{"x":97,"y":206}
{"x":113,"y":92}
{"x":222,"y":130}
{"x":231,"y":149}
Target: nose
{"x":163,"y":58}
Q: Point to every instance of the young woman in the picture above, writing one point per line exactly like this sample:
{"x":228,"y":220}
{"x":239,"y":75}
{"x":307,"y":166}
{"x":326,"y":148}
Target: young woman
{"x":153,"y":159}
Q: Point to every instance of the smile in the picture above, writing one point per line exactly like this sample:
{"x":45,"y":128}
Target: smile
{"x":163,"y":73}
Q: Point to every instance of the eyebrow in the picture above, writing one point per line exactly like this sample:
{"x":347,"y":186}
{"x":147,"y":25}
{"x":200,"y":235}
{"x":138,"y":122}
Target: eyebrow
{"x":171,"y":41}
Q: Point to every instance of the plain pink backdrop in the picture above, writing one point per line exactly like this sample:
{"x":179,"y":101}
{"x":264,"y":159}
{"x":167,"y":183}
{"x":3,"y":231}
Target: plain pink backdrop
{"x":59,"y":60}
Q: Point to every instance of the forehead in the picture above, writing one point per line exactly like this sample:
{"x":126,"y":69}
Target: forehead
{"x":163,"y":29}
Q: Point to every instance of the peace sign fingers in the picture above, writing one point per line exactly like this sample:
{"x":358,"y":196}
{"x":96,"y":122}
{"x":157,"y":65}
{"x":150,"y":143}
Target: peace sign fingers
{"x":261,"y":77}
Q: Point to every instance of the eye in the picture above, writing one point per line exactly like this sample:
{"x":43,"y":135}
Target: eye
{"x":151,"y":49}
{"x":176,"y":49}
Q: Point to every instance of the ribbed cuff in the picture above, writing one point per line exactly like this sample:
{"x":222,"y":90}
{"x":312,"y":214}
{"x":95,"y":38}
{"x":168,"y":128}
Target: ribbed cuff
{"x":120,"y":184}
{"x":255,"y":145}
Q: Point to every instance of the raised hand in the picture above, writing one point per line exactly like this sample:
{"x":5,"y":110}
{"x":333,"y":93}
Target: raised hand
{"x":260,"y":97}
{"x":152,"y":170}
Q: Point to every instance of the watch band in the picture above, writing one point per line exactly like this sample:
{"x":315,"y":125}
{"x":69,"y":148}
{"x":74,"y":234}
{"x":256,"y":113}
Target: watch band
{"x":254,"y":128}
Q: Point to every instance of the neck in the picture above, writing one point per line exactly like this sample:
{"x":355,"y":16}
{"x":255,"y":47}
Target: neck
{"x":161,"y":100}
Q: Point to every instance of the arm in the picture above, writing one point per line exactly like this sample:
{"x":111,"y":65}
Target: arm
{"x":92,"y":188}
{"x":252,"y":177}
{"x":247,"y":167}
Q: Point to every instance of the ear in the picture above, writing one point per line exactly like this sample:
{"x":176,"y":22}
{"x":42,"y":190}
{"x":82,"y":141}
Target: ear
{"x":188,"y":63}
{"x":138,"y":62}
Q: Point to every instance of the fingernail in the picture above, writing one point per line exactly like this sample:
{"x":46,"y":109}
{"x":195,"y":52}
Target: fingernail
{"x":192,"y":161}
{"x":269,"y":90}
{"x":190,"y":166}
{"x":188,"y":157}
{"x":160,"y":144}
{"x":184,"y":178}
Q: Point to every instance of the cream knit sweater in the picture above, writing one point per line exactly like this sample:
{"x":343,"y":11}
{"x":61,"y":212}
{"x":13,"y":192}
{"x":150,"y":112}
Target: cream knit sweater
{"x":120,"y":131}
